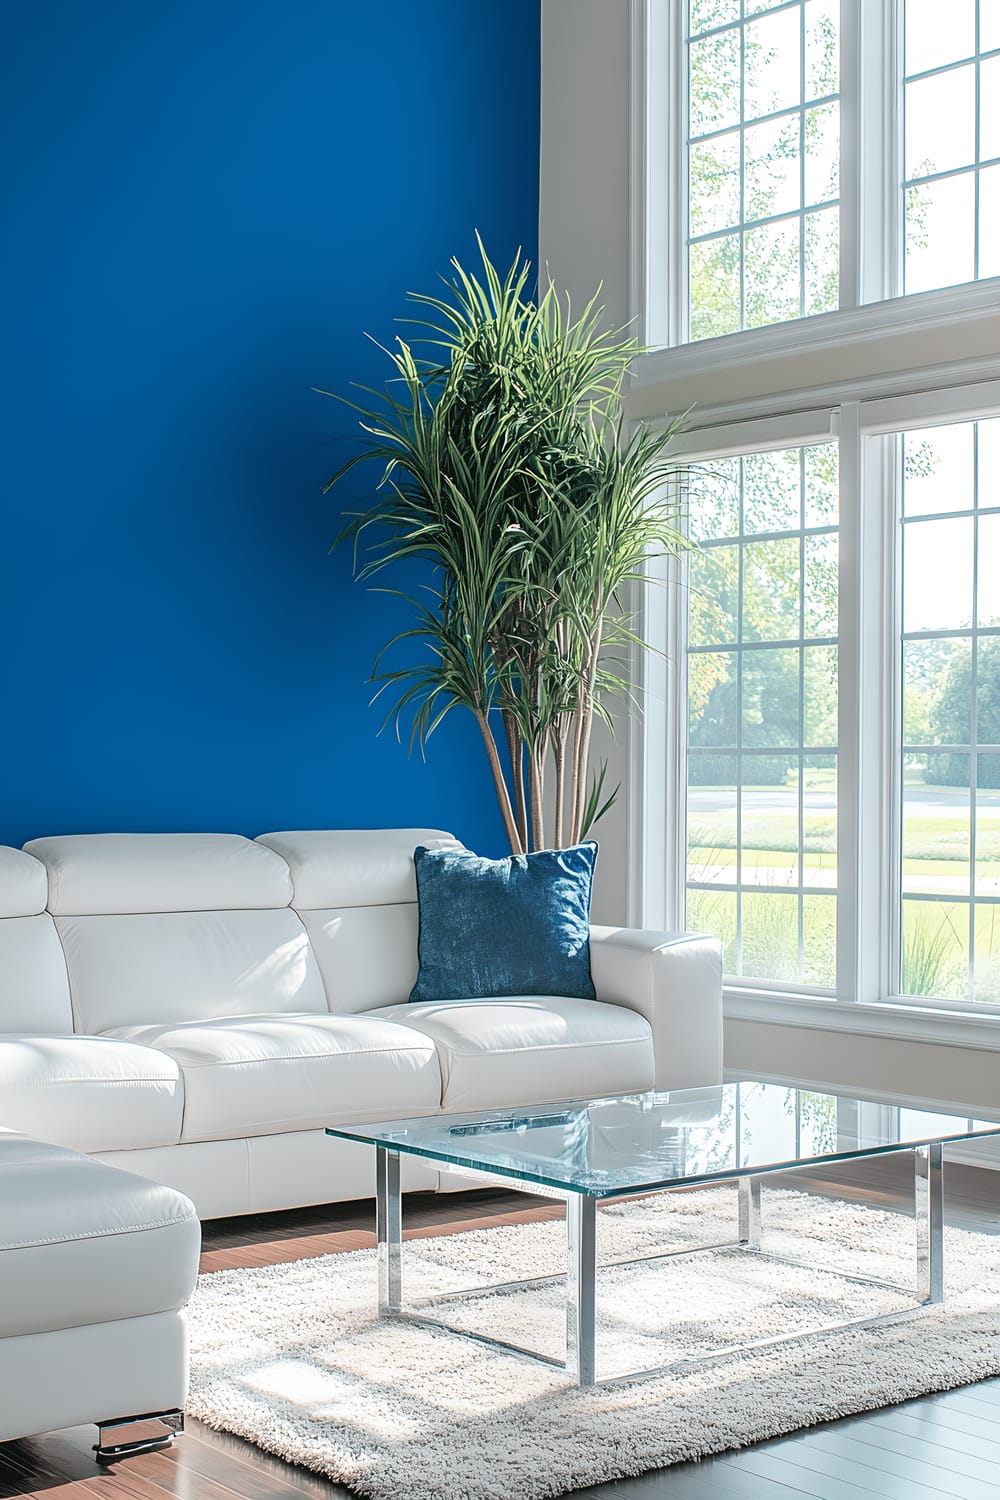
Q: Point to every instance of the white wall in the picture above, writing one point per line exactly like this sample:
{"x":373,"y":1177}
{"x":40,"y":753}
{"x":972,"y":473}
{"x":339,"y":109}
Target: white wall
{"x":583,"y":241}
{"x":919,"y":1070}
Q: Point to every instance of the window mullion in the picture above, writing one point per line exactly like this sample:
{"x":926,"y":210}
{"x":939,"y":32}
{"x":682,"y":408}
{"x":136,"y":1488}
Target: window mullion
{"x":850,"y":153}
{"x":864,"y":758}
{"x":870,"y":149}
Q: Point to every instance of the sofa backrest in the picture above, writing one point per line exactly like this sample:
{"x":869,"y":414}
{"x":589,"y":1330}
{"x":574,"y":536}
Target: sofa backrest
{"x":34,"y":989}
{"x":356,"y":894}
{"x":176,"y":927}
{"x":150,"y":928}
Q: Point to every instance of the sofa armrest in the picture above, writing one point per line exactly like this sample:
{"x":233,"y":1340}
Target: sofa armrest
{"x":674,"y":979}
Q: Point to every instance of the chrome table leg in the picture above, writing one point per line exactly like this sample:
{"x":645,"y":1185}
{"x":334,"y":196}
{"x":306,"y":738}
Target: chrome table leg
{"x":928,"y":1162}
{"x":749,"y":1188}
{"x":388,"y":1229}
{"x":581,"y":1288}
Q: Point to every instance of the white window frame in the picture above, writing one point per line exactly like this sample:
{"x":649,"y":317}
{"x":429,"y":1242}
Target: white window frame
{"x":880,"y":363}
{"x":869,"y":723}
{"x":871,"y":197}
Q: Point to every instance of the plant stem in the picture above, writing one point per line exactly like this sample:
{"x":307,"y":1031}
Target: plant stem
{"x":585,"y":719}
{"x":515,"y":747}
{"x":503,"y":795}
{"x":536,"y":768}
{"x":559,"y":758}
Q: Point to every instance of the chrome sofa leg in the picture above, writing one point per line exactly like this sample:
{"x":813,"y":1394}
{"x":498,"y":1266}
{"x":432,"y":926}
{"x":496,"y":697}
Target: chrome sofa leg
{"x":122,"y":1436}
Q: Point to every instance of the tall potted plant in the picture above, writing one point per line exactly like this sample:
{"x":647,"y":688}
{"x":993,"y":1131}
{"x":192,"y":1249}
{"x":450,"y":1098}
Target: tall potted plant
{"x":506,"y":467}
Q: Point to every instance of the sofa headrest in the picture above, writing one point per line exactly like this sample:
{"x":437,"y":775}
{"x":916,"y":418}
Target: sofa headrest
{"x":91,"y":874}
{"x":23,"y":884}
{"x":353,"y":867}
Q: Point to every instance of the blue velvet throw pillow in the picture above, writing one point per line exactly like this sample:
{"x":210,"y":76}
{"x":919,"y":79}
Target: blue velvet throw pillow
{"x":516,"y":926}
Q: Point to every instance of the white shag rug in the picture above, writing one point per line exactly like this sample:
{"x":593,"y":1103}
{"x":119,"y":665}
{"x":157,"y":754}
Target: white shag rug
{"x":293,"y":1357}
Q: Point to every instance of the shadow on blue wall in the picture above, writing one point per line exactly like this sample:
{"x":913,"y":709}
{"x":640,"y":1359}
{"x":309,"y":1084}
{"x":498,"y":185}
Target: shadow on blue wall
{"x":204,"y":208}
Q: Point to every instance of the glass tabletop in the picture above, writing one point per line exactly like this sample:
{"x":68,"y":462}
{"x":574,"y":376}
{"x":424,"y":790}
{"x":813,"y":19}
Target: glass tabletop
{"x":606,"y":1148}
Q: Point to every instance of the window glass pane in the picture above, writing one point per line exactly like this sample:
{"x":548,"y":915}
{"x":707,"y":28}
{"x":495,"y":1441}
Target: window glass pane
{"x":770,"y":935}
{"x":989,"y":222}
{"x":988,"y":571}
{"x":772,"y":491}
{"x":989,"y":108}
{"x":762,"y":813}
{"x":988,"y":457}
{"x":708,"y":13}
{"x":714,"y":584}
{"x":822,"y":48}
{"x":987,"y":952}
{"x":769,"y":853}
{"x":937,"y":692}
{"x":988,"y":829}
{"x":822,"y":148}
{"x":820,"y":602}
{"x":712,"y":692}
{"x":819,"y":688}
{"x":772,"y":69}
{"x":937,"y":469}
{"x":949,"y":798}
{"x":715,"y":912}
{"x":819,"y":940}
{"x":713,"y":502}
{"x":771,"y":697}
{"x":935,"y":960}
{"x":940,"y":233}
{"x":771,"y":590}
{"x":771,"y":292}
{"x":930,"y":146}
{"x":715,"y":82}
{"x":714,"y":270}
{"x":951,"y":230}
{"x":936,"y":823}
{"x":711,"y":819}
{"x":762,"y":71}
{"x":715,"y":167}
{"x":987,"y":705}
{"x":936,"y":597}
{"x":820,"y":486}
{"x":928,"y":43}
{"x":822,"y":261}
{"x":819,"y":822}
{"x":771,"y":167}
{"x":989,"y":25}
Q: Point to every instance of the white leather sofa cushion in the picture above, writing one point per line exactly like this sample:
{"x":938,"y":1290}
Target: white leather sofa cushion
{"x":34,"y":989}
{"x":527,"y":1050}
{"x":353,"y":867}
{"x":98,"y":873}
{"x":367,"y":955}
{"x":81,"y":1243}
{"x":188,"y":966}
{"x":24,"y":884}
{"x":260,"y":1075}
{"x":90,"y":1093}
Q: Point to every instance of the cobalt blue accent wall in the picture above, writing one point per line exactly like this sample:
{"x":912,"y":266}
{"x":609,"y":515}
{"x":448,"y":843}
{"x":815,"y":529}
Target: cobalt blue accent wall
{"x":204,"y":205}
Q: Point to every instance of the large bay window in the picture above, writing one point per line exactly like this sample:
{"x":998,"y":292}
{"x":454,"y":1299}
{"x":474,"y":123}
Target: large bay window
{"x":816,"y":265}
{"x":843,"y":708}
{"x":798,"y":194}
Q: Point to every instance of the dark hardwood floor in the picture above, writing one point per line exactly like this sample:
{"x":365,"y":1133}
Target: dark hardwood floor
{"x":944,"y":1447}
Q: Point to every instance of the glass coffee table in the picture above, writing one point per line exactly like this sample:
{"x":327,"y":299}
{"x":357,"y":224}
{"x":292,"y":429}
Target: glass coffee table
{"x":603,"y":1150}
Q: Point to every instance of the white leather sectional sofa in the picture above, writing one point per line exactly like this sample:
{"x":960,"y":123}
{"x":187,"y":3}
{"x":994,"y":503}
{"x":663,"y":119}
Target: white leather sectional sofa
{"x":196,"y":1008}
